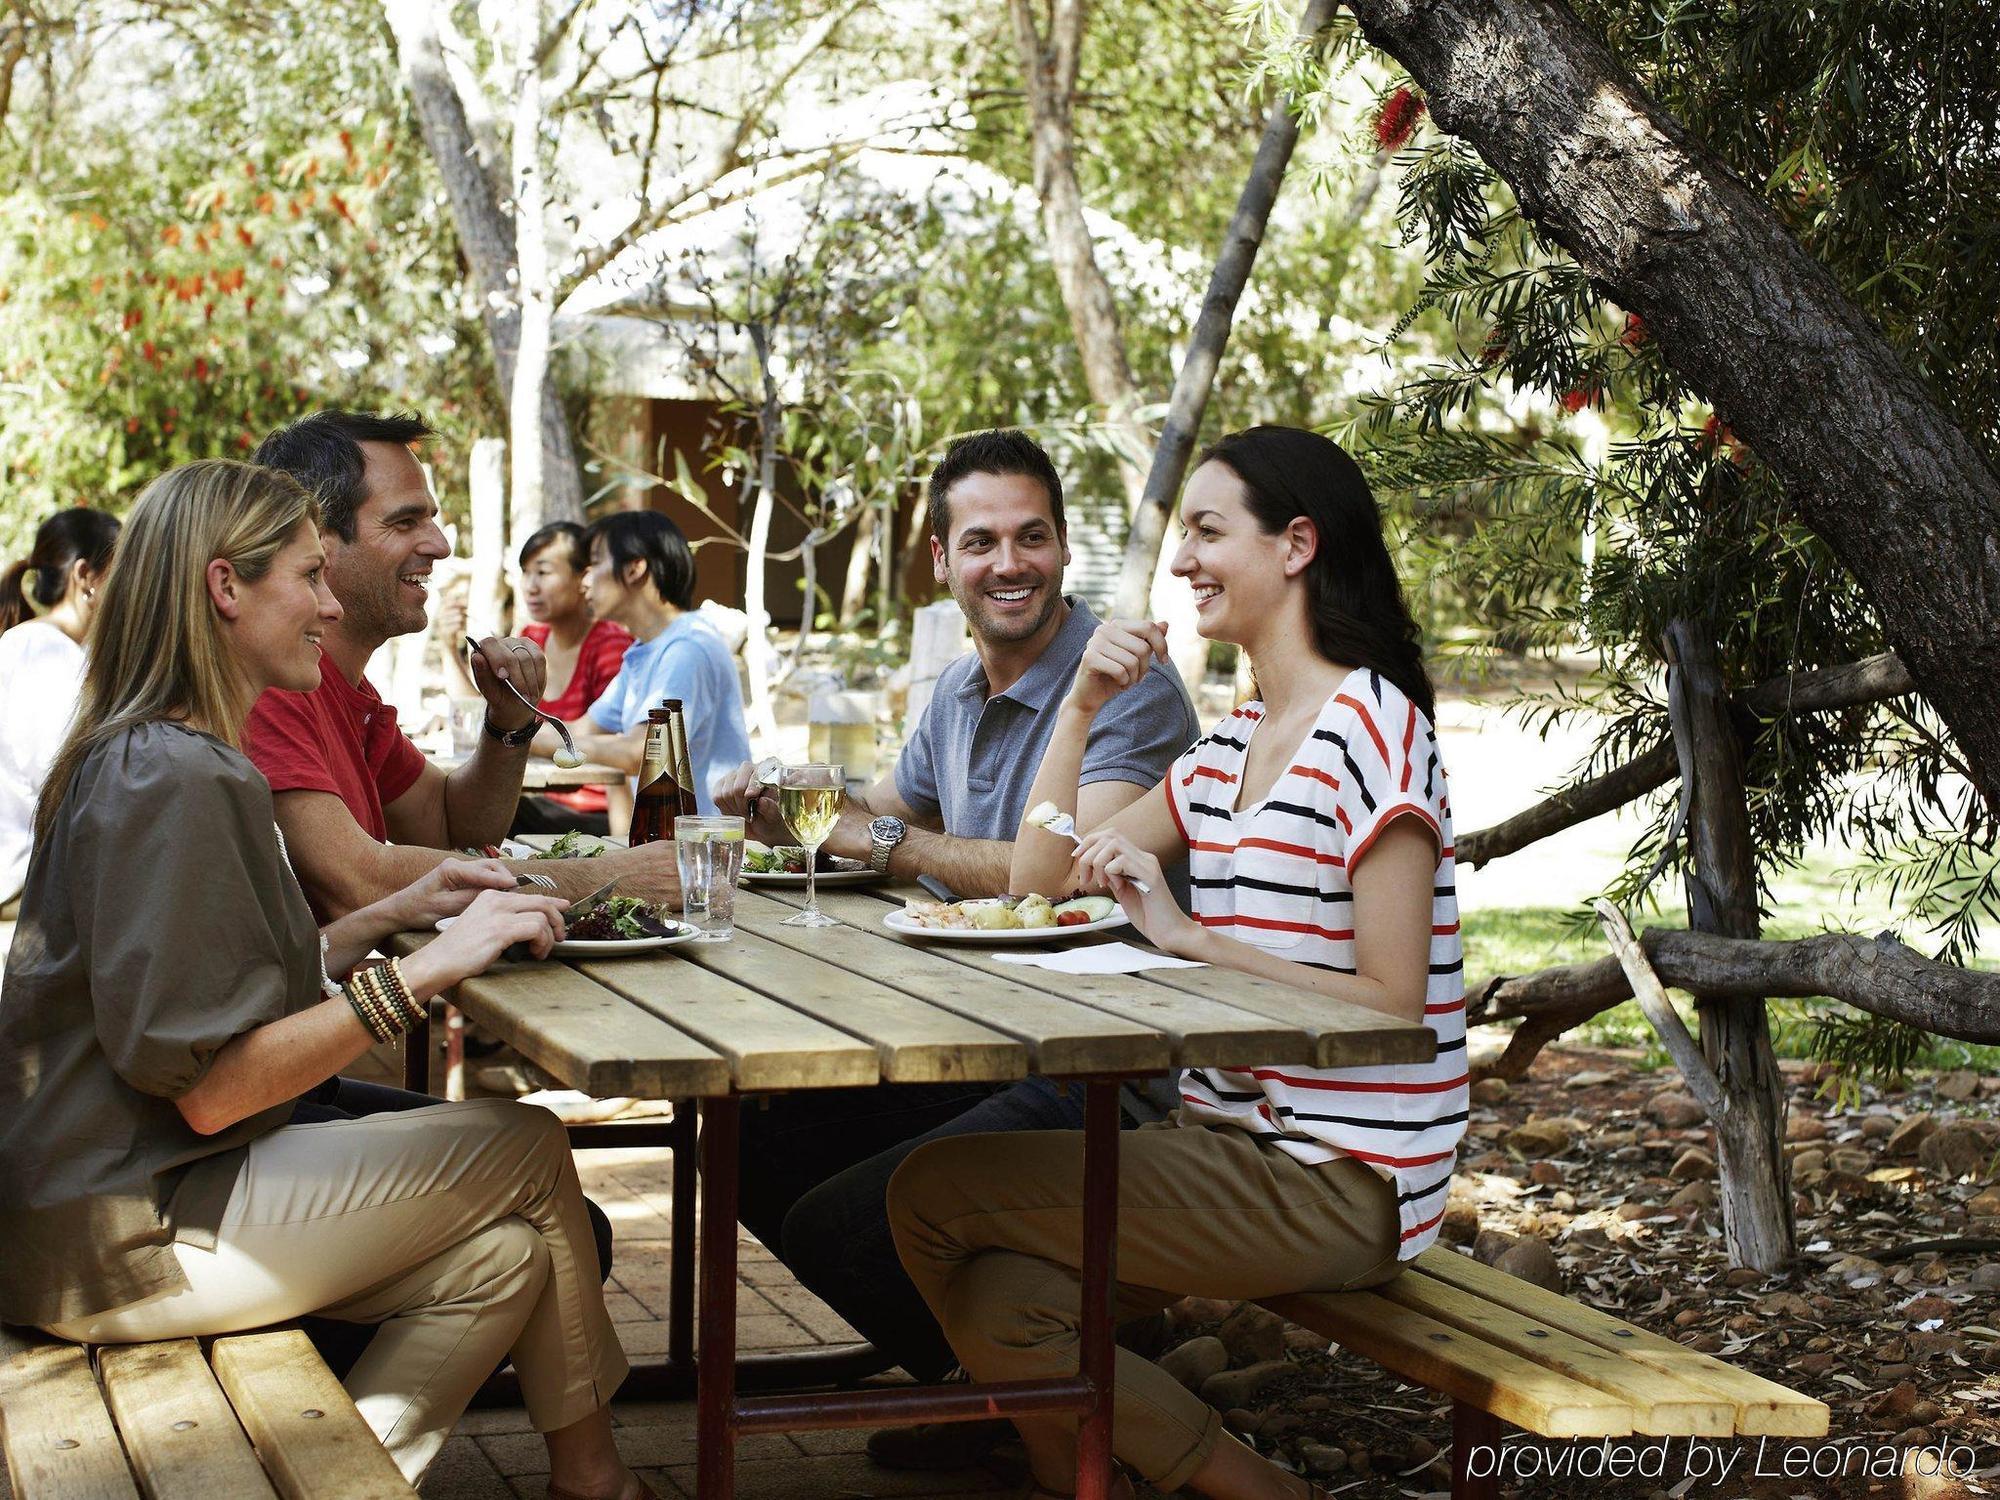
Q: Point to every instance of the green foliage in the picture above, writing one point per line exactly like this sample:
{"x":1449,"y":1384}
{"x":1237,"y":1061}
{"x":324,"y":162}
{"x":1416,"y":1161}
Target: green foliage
{"x":196,"y":261}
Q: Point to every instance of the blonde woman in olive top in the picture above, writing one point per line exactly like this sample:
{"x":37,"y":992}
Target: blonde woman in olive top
{"x":167,"y":1000}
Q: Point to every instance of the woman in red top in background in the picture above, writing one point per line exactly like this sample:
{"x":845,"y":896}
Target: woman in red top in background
{"x":583,"y":655}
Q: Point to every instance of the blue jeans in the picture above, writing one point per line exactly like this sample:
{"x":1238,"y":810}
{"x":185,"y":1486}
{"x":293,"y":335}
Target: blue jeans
{"x":340,"y":1344}
{"x":814,"y":1181}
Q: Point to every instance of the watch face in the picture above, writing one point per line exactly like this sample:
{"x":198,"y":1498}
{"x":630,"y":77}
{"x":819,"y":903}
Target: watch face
{"x":886,"y":829}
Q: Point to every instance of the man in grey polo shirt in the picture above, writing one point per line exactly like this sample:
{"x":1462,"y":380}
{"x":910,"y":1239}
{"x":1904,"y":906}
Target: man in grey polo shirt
{"x":950,"y":807}
{"x":817,"y":1163}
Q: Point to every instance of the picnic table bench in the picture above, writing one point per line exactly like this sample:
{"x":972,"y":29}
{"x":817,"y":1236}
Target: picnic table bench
{"x":1510,"y":1353}
{"x":252,"y":1415}
{"x":782,"y":1007}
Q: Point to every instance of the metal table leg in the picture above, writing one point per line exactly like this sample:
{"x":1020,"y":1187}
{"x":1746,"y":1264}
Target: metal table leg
{"x":1097,"y":1361}
{"x":715,"y":1399}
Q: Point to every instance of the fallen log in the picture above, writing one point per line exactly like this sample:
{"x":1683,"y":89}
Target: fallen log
{"x":1849,"y":685}
{"x":1880,"y":975}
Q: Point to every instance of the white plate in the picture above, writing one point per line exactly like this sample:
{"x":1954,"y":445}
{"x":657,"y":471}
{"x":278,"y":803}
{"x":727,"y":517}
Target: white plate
{"x":862,"y":876}
{"x":611,"y":947}
{"x":900,"y":924}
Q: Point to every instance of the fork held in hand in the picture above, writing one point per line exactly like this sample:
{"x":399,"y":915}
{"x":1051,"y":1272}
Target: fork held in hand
{"x":1064,"y":826}
{"x":575,"y":756}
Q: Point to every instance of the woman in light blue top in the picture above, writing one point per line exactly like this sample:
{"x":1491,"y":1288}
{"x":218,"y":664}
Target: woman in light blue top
{"x":642,"y":577}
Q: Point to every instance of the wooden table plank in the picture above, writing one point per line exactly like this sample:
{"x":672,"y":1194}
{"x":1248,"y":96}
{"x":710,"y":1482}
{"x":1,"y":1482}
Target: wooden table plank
{"x":1349,"y":1036}
{"x":312,"y":1440}
{"x":588,"y":1036}
{"x":1062,"y":1037}
{"x":915,"y":1041}
{"x":178,"y":1429}
{"x":60,"y":1440}
{"x":1340,"y":1035}
{"x":768,"y":1045}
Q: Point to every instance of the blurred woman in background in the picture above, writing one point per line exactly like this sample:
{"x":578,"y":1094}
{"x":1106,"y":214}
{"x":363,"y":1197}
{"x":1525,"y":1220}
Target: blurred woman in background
{"x":583,"y":654}
{"x":46,"y":603}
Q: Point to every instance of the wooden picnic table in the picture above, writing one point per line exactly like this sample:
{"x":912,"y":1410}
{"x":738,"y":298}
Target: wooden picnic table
{"x":780,"y":1008}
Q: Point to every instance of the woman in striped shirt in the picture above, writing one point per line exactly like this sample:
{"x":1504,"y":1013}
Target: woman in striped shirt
{"x":1318,"y":834}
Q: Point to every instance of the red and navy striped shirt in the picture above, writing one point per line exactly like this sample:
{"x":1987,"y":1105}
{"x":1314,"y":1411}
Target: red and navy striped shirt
{"x":1275,"y":874}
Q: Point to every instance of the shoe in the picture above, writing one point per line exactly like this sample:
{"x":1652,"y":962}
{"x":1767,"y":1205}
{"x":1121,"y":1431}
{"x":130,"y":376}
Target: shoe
{"x":938,"y":1445}
{"x":645,"y":1492}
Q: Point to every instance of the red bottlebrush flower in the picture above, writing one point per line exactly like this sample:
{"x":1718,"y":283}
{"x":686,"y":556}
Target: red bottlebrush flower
{"x":1493,"y":350}
{"x":1635,"y":331}
{"x":207,"y":312}
{"x":1713,"y":433}
{"x":312,"y":166}
{"x":99,"y":222}
{"x":243,"y":441}
{"x":171,"y":235}
{"x":245,"y":235}
{"x":277,"y":262}
{"x":294,"y":207}
{"x":133,"y":317}
{"x":1575,"y":399}
{"x":200,"y":368}
{"x":249,"y":169}
{"x":1397,"y":120}
{"x":149,"y":354}
{"x":347,"y":142}
{"x":97,"y":286}
{"x":266,"y":202}
{"x":131,"y":424}
{"x":339,"y":206}
{"x":172,"y":412}
{"x":167,"y":427}
{"x":249,"y":306}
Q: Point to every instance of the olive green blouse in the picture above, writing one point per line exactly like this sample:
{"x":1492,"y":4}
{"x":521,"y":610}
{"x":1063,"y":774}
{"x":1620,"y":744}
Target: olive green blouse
{"x":159,"y":920}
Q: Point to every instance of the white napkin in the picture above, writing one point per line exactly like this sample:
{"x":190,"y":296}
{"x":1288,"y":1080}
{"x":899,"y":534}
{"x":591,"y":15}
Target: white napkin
{"x":1101,"y":958}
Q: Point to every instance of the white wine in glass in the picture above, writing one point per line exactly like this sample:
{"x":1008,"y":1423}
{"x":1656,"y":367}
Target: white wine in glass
{"x":810,"y":798}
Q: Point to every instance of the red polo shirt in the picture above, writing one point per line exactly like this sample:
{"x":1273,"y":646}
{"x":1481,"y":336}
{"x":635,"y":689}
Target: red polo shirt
{"x":338,"y":738}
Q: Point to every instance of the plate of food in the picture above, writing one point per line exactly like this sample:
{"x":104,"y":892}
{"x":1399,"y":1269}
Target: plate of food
{"x":617,"y":926}
{"x":1005,"y":919}
{"x":786,"y":865}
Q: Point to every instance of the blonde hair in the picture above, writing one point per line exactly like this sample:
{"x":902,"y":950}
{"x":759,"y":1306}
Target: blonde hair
{"x":157,"y":649}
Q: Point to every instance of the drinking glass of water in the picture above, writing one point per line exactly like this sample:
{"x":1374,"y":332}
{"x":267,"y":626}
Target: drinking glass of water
{"x":711,"y":859}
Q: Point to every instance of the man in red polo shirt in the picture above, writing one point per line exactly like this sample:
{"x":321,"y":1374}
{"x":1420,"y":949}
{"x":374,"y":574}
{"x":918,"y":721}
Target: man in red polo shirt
{"x":362,"y":811}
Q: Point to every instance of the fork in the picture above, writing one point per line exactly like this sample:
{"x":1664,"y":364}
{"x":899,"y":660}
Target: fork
{"x":539,"y":882}
{"x":1064,"y":826}
{"x":570,"y":757}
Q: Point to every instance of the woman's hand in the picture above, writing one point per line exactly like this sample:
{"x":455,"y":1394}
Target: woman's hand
{"x":1113,"y":861}
{"x":1115,"y":659}
{"x":481,"y":933}
{"x":445,"y":891}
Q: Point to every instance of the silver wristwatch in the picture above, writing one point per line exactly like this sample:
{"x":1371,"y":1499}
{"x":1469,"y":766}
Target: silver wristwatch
{"x":884,"y":834}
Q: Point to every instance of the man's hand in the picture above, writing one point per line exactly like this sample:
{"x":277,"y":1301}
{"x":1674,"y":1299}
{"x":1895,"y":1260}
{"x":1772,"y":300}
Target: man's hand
{"x":502,"y":661}
{"x":740,"y":794}
{"x":850,"y":838}
{"x":649,"y":871}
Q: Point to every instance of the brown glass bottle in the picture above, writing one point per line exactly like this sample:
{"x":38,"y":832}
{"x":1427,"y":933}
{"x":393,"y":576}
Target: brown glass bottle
{"x":657,"y":801}
{"x":677,"y":750}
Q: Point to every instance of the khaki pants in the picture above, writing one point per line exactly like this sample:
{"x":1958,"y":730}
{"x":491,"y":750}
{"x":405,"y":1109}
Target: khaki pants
{"x":990,"y":1227}
{"x":459,"y":1228}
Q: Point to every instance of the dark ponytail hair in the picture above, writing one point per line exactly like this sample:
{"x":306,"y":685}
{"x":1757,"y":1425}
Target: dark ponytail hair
{"x":64,"y":538}
{"x":1355,"y":599}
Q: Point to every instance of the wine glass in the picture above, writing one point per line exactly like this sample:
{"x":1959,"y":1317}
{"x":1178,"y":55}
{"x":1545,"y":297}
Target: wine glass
{"x":810,"y":798}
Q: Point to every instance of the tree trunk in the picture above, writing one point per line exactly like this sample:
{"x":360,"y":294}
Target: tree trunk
{"x":485,"y":237}
{"x":854,"y":587}
{"x":758,"y":656}
{"x":486,"y":486}
{"x":1744,"y":315}
{"x":1722,"y":898}
{"x":531,"y":359}
{"x":1049,"y":64}
{"x":1140,"y":578}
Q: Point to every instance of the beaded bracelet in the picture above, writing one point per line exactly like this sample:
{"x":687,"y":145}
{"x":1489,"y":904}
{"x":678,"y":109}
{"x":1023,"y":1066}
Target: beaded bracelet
{"x":382,"y":1000}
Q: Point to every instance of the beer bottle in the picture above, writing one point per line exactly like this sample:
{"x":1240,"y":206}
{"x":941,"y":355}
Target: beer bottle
{"x":682,"y":764}
{"x":658,"y":797}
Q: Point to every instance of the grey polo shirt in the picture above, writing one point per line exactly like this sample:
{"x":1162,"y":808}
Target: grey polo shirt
{"x":973,"y":757}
